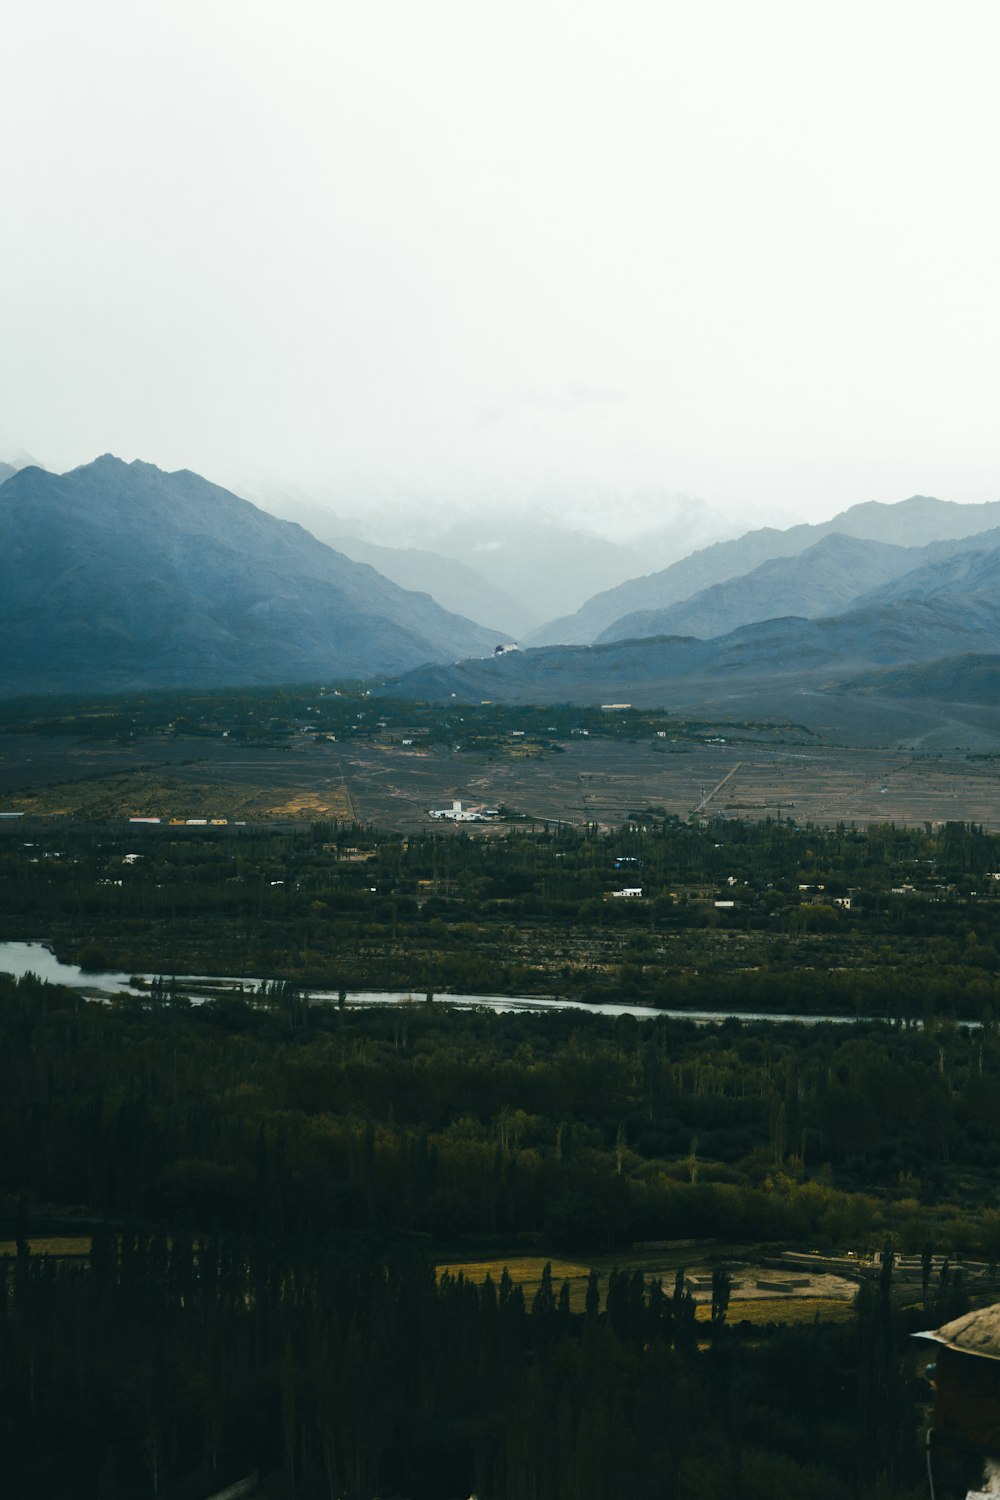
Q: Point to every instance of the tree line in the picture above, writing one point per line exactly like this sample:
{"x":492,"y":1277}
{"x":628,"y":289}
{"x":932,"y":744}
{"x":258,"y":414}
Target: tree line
{"x":269,"y":1115}
{"x":339,"y":905}
{"x":167,"y":1364}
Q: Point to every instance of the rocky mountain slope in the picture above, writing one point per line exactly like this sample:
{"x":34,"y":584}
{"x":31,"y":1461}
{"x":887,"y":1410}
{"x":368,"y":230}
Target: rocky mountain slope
{"x":914,"y":522}
{"x":597,"y":537}
{"x":455,"y":585}
{"x":823,"y":580}
{"x":834,"y":575}
{"x":919,"y":668}
{"x":654,"y":670}
{"x":119,"y":575}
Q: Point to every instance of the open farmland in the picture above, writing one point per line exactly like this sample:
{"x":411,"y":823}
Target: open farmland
{"x":75,"y":1246}
{"x":799,"y":1308}
{"x":824,"y":1296}
{"x":526,"y":1272}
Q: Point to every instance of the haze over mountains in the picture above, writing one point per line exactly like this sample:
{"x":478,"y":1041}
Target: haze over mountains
{"x":881,"y":624}
{"x":790,"y":649}
{"x":455,"y":585}
{"x":914,"y":522}
{"x":822,"y":580}
{"x":122,"y":576}
{"x":936,"y":627}
{"x":877,"y":626}
{"x":544,"y":557}
{"x":831,"y":576}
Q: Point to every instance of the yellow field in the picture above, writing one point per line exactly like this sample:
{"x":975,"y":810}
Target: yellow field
{"x":789,"y":1309}
{"x":74,"y":1244}
{"x":526,"y":1272}
{"x":331,"y":803}
{"x":523,"y":1269}
{"x":139,"y":794}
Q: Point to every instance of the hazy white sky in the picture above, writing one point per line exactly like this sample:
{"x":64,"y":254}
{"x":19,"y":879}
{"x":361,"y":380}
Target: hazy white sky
{"x":742,"y":250}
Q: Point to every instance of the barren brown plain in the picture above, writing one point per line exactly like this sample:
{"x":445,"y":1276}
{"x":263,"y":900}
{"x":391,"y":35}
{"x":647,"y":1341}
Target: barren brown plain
{"x":585,"y":781}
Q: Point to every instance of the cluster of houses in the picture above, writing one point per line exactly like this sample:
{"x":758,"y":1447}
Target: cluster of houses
{"x":194,"y":822}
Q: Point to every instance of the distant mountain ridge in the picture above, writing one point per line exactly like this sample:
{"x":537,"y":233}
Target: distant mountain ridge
{"x":835,"y":574}
{"x":652,"y":669}
{"x":915,"y":646}
{"x":971,"y":572}
{"x":119,"y":575}
{"x":456,"y":586}
{"x":822,"y":580}
{"x":918,"y":521}
{"x":511,"y":547}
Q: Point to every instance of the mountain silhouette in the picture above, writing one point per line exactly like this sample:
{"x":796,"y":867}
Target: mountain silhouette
{"x":118,"y":575}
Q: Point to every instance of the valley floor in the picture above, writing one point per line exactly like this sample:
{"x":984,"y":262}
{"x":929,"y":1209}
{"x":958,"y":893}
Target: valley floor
{"x":576,"y":781}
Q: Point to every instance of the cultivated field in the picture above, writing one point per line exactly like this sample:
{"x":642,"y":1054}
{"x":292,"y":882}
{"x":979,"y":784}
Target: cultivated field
{"x":801,"y":1306}
{"x":526,"y":1272}
{"x":59,"y":1244}
{"x":825,"y":1296}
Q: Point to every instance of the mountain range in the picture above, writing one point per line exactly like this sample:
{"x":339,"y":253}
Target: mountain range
{"x":914,"y":522}
{"x":457,"y":587}
{"x":833,"y":575}
{"x":921,"y":637}
{"x":789,"y":648}
{"x":119,"y":575}
{"x":598,"y":540}
{"x":823,"y":579}
{"x":881,"y":625}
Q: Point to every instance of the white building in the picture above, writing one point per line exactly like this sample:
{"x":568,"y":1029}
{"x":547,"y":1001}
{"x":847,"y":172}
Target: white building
{"x":456,"y":813}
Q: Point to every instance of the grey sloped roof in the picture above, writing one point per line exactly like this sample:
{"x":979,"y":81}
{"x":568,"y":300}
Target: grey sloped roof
{"x":974,"y":1333}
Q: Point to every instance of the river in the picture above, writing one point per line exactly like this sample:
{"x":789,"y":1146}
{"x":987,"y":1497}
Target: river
{"x":37,"y":958}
